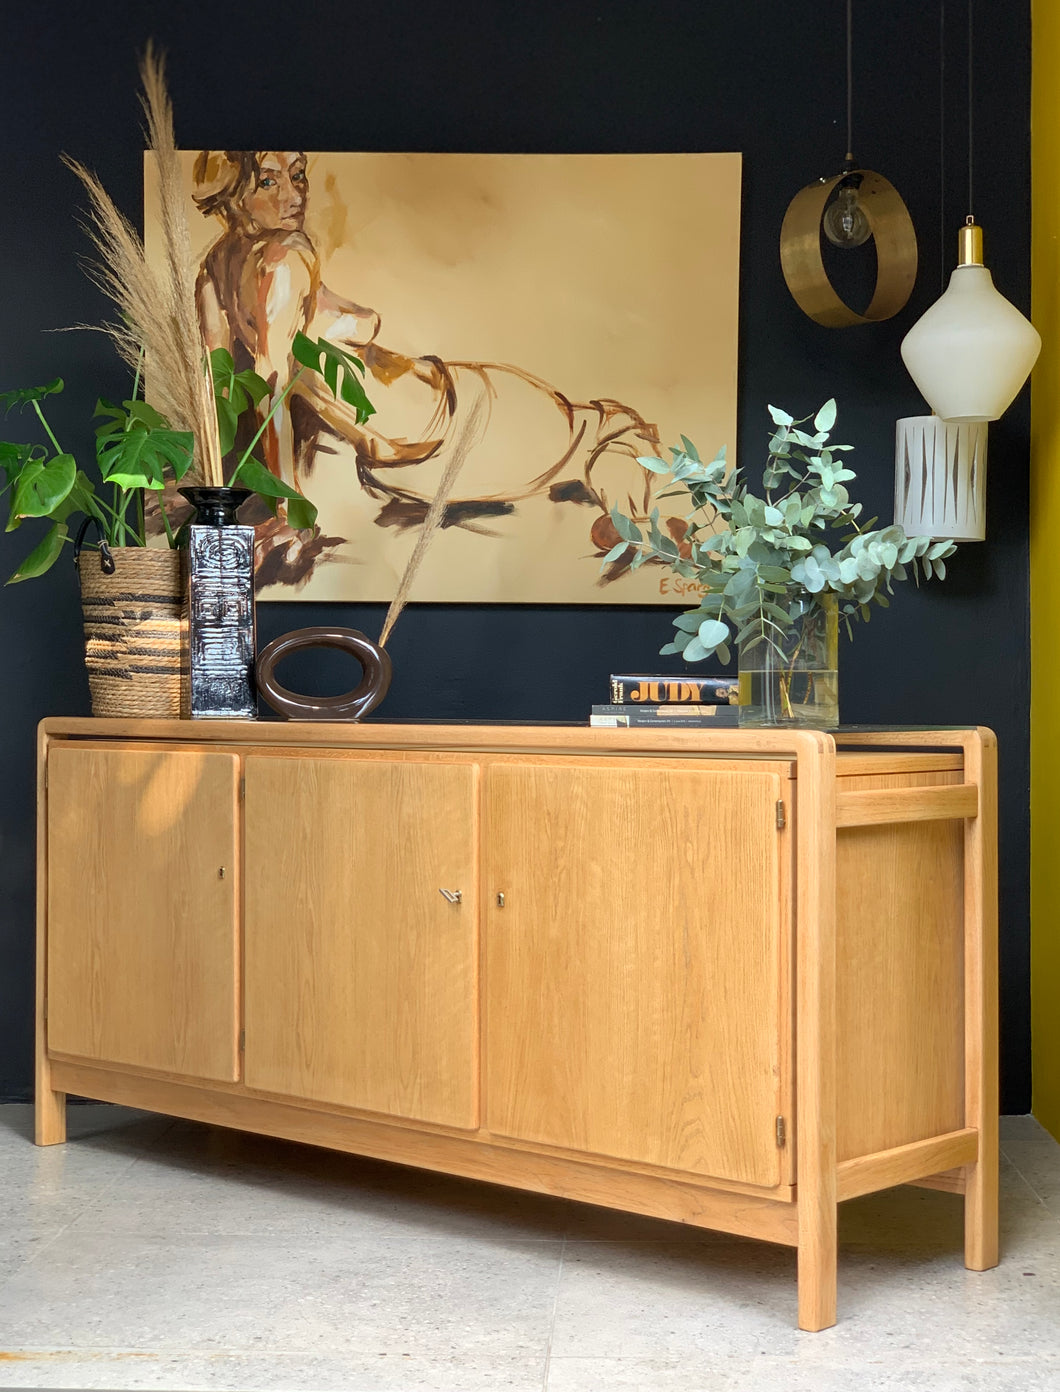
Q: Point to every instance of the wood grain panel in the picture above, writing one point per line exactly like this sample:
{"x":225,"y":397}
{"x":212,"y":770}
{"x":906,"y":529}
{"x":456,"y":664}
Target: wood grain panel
{"x":815,"y":1006}
{"x":981,"y":1005}
{"x":361,"y":979}
{"x":499,"y":736}
{"x":907,"y":1164}
{"x":633,"y":973}
{"x":926,"y":804}
{"x":142,"y":926}
{"x":695,"y":1204}
{"x":49,"y":1111}
{"x":900,"y":978}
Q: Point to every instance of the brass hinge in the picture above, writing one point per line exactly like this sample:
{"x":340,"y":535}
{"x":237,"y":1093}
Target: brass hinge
{"x":782,"y":820}
{"x":243,"y":788}
{"x":782,"y":1133}
{"x":242,"y":1040}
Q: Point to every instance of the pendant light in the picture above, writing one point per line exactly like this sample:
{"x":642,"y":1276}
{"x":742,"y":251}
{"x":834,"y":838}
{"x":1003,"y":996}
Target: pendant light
{"x":848,"y":209}
{"x":940,"y":478}
{"x":973,"y":350}
{"x":969,"y":355}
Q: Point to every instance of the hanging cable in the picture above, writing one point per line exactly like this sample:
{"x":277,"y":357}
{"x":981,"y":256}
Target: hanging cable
{"x":850,"y":82}
{"x":942,"y":146}
{"x":971,"y":217}
{"x":844,"y":222}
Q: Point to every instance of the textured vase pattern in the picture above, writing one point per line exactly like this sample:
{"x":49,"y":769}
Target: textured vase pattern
{"x":221,"y":623}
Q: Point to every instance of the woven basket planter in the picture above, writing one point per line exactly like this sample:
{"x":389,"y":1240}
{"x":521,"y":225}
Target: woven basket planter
{"x":134,"y":632}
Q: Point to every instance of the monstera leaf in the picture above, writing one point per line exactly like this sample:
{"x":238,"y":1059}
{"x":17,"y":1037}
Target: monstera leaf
{"x":339,"y":370}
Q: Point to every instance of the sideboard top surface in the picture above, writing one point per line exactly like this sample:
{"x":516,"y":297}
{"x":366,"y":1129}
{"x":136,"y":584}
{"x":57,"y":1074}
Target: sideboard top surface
{"x":915,"y":749}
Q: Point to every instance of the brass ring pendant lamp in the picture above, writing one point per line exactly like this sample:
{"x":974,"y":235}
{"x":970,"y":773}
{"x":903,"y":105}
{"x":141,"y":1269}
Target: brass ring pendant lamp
{"x":892,"y":231}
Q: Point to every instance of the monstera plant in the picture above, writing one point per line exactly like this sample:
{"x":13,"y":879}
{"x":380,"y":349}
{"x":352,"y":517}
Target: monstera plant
{"x":137,"y":452}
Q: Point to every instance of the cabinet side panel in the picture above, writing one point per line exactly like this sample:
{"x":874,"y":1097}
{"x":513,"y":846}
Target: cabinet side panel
{"x":361,"y":976}
{"x":900,"y":978}
{"x":142,"y":923}
{"x":634,"y":970}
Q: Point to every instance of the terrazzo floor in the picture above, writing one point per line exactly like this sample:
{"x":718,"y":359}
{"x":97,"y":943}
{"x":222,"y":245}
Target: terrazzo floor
{"x":151,"y":1253}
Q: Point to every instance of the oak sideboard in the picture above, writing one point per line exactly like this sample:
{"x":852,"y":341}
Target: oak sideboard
{"x":725,"y":977}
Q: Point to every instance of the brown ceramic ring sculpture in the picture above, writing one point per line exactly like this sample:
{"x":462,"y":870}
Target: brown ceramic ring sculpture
{"x":896,"y":253}
{"x":350,"y":705}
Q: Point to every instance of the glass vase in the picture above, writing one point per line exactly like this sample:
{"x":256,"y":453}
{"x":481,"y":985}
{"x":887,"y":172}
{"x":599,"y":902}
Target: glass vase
{"x":792,"y":678}
{"x":219,"y":571}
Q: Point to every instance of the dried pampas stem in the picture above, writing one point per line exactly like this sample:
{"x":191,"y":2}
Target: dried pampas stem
{"x":158,"y":314}
{"x":461,"y":449}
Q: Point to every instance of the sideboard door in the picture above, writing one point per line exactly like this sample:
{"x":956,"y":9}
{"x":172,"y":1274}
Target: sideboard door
{"x":143,"y":889}
{"x":361,"y":974}
{"x":635,"y":988}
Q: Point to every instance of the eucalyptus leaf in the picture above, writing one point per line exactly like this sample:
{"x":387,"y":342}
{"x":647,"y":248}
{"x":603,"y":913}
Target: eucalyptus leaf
{"x":759,"y":558}
{"x":825,"y":417}
{"x":617,"y":550}
{"x":712,"y":632}
{"x":689,"y":622}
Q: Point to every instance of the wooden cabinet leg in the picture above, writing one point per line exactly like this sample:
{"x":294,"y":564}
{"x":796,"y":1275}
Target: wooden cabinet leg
{"x":980,"y":1003}
{"x":49,"y":1111}
{"x":50,"y":1106}
{"x":817,"y":1269}
{"x":980,"y":1205}
{"x":815,"y":974}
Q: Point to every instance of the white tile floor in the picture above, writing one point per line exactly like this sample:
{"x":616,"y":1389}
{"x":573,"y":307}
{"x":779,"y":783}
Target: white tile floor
{"x":160,"y":1254}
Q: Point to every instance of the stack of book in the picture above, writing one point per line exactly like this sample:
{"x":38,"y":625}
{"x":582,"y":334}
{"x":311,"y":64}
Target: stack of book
{"x":677,"y":701}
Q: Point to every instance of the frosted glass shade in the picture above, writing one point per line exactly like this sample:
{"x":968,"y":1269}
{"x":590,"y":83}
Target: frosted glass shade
{"x":971,"y":352}
{"x":940,"y":478}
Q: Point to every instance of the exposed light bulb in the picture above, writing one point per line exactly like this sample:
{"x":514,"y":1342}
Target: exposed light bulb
{"x":844,"y":222}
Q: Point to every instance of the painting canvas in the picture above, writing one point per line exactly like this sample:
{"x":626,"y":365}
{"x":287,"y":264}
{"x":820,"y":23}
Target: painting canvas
{"x":538,"y":321}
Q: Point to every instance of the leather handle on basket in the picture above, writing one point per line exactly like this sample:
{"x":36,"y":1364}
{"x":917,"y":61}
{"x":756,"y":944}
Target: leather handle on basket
{"x":106,"y":560}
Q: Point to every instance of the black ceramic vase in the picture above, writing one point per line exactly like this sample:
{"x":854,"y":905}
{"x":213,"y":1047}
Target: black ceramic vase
{"x":219,"y":590}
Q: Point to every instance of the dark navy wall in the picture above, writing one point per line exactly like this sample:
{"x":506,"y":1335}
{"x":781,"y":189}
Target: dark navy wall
{"x":765,"y":77}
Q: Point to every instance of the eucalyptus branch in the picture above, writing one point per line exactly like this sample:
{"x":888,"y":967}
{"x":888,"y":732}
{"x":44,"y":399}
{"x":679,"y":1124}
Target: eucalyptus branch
{"x":778,"y":553}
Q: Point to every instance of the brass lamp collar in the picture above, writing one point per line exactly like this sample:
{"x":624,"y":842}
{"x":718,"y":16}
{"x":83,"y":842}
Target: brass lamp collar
{"x":970,"y":244}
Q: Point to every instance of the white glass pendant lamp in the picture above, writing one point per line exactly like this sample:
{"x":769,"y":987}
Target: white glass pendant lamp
{"x":940,"y":478}
{"x":973,"y":350}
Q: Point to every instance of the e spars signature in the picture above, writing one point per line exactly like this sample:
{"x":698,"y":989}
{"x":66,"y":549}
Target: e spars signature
{"x":676,"y":585}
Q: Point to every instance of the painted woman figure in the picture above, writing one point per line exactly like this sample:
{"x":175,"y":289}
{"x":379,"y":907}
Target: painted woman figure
{"x":260,"y":283}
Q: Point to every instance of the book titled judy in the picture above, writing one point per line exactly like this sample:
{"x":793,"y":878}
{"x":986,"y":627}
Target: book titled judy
{"x":684,"y":717}
{"x":674,"y":691}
